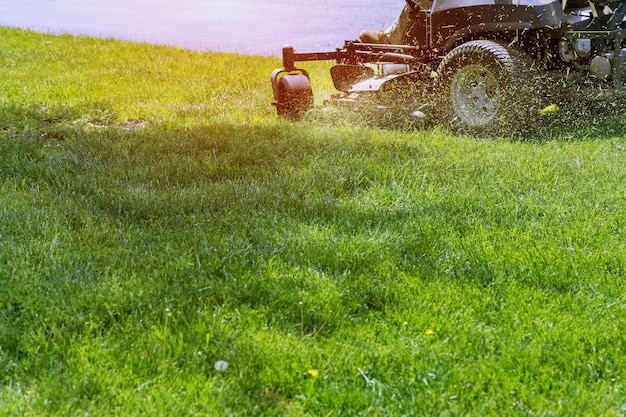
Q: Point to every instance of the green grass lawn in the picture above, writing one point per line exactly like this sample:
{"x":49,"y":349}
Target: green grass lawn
{"x":157,"y":217}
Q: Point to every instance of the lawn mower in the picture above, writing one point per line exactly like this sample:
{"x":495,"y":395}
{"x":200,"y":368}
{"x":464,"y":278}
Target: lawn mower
{"x":469,"y":62}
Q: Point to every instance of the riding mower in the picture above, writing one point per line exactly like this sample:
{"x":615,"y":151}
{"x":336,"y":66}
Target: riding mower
{"x":471,"y":63}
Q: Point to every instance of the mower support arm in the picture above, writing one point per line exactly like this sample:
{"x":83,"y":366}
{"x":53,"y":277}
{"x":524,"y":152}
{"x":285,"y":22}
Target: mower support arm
{"x":354,"y":53}
{"x":290,"y":57}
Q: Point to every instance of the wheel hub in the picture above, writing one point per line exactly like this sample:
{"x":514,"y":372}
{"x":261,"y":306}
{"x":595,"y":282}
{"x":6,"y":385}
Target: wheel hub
{"x":475,"y":91}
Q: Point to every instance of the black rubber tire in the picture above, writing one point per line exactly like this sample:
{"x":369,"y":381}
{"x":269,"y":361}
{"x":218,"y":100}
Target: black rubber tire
{"x":295,"y":96}
{"x":483,"y":86}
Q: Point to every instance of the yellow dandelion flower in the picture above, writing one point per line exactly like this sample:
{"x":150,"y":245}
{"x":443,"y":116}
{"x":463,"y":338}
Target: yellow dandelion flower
{"x":429,"y":332}
{"x":314,"y":373}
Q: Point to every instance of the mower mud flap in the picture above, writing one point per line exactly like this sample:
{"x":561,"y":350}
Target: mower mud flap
{"x":293,"y":95}
{"x":344,"y":76}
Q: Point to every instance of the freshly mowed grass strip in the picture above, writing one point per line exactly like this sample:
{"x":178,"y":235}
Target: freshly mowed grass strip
{"x":156,"y":217}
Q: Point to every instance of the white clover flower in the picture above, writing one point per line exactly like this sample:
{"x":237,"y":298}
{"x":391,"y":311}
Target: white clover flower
{"x":221,"y":366}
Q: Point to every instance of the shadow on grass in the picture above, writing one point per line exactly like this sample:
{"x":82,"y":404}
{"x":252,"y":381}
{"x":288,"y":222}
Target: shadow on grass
{"x":275,"y":216}
{"x":299,"y":228}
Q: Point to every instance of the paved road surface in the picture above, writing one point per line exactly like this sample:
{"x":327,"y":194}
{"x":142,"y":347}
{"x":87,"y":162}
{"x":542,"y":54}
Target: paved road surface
{"x":245,"y":26}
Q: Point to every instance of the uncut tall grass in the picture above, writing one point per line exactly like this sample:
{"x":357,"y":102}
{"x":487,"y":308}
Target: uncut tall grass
{"x":157,"y":217}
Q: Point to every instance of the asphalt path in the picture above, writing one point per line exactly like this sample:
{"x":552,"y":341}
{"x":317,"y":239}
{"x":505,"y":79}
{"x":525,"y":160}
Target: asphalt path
{"x":260,"y":27}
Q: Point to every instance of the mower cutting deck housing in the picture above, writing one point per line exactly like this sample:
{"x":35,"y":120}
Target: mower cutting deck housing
{"x":469,"y":61}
